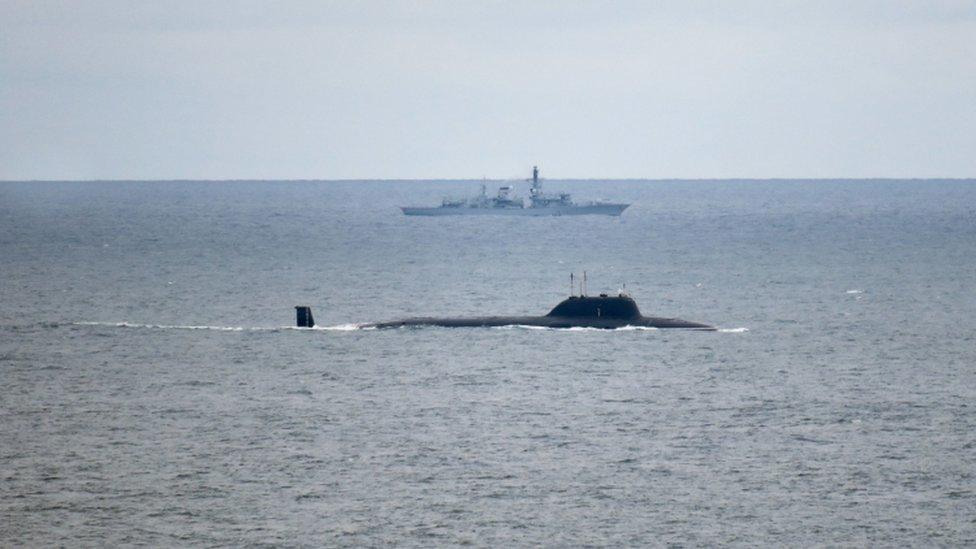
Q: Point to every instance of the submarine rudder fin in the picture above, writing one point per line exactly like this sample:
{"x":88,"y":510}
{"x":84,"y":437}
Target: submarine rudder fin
{"x":303,"y":314}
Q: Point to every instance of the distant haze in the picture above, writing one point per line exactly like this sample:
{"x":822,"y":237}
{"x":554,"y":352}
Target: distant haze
{"x":331,"y":90}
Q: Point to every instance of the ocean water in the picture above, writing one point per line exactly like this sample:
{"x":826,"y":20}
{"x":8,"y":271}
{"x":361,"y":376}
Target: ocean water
{"x":154,"y":392}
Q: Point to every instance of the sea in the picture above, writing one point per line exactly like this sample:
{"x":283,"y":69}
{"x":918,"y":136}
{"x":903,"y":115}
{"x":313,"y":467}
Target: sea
{"x":154,"y":390}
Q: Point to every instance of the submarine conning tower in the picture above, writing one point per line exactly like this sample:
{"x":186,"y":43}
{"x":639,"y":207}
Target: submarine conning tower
{"x":603,"y":306}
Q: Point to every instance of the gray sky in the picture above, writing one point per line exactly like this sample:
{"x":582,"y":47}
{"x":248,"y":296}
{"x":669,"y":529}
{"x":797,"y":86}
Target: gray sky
{"x":312,"y":89}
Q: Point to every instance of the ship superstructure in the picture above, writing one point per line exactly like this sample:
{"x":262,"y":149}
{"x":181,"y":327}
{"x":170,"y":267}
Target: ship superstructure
{"x":507,"y":203}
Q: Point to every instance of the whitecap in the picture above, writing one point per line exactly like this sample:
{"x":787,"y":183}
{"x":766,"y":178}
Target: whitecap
{"x":338,"y":327}
{"x":575,"y":328}
{"x":170,"y":326}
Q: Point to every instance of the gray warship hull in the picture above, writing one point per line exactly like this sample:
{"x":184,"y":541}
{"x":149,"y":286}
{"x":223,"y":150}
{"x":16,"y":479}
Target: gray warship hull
{"x":581,"y":209}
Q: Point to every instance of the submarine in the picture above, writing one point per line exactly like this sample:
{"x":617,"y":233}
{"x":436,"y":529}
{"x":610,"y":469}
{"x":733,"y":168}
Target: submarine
{"x":577,"y":311}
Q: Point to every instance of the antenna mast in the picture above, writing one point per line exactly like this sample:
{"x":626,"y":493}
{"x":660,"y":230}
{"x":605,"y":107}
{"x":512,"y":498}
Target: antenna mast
{"x":535,"y":179}
{"x":572,"y":286}
{"x":583,"y":287}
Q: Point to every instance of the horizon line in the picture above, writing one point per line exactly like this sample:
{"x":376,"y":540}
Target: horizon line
{"x":483,"y":179}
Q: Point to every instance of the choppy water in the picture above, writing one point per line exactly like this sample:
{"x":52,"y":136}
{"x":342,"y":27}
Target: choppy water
{"x":153,"y":391}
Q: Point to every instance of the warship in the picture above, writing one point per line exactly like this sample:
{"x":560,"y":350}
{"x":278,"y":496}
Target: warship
{"x":506,"y":203}
{"x":577,"y":311}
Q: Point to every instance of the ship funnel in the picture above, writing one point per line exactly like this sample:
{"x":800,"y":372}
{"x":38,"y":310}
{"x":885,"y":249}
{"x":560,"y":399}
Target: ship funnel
{"x":304,"y":316}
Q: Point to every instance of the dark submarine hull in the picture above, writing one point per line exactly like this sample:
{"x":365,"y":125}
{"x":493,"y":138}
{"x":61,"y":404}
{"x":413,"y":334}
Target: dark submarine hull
{"x":544,"y":322}
{"x":604,"y":312}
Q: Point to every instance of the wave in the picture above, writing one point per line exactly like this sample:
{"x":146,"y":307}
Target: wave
{"x":167,"y":326}
{"x":338,"y":327}
{"x":575,"y":328}
{"x":739,"y":330}
{"x":351,"y":327}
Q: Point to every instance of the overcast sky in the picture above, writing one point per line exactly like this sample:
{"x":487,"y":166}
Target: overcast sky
{"x":321,"y":90}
